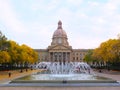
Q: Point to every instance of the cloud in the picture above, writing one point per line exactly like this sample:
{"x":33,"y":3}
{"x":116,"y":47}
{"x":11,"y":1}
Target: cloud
{"x":87,"y":23}
{"x":75,"y":2}
{"x":9,"y":17}
{"x":45,"y":5}
{"x":93,"y":4}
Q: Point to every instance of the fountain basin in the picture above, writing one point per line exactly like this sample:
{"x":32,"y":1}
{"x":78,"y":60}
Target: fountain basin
{"x":63,"y":81}
{"x":64,"y":78}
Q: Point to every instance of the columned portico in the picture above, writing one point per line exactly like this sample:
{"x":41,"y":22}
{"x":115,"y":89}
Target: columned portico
{"x":60,"y":57}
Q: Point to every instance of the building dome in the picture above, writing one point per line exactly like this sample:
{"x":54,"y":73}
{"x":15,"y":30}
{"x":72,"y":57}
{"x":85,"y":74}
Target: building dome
{"x":59,"y":32}
{"x":59,"y":36}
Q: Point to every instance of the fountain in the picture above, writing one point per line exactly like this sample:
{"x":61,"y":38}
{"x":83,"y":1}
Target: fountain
{"x":65,"y":68}
{"x":64,"y":71}
{"x":59,"y":72}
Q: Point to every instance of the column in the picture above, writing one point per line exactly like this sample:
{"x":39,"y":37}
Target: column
{"x":62,"y":57}
{"x":49,"y":57}
{"x":66,"y":57}
{"x":71,"y":57}
{"x":57,"y":56}
{"x":53,"y":57}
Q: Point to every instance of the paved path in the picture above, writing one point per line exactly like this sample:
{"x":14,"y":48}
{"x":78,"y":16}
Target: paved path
{"x":115,"y":75}
{"x":4,"y":76}
{"x":59,"y":88}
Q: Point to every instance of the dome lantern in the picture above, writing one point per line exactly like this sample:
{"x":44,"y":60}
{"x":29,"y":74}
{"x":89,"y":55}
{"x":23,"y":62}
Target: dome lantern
{"x":59,"y":25}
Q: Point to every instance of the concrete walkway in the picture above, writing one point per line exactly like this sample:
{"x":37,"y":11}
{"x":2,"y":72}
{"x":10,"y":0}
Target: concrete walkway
{"x":4,"y":76}
{"x":109,"y":74}
{"x":59,"y":88}
{"x":115,"y":75}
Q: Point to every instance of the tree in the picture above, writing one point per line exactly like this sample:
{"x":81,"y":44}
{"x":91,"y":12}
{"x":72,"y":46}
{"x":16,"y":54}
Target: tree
{"x":88,"y":57}
{"x":4,"y":57}
{"x":28,"y":54}
{"x":22,"y":54}
{"x":116,"y":51}
{"x":13,"y":51}
{"x":108,"y":51}
{"x":3,"y":41}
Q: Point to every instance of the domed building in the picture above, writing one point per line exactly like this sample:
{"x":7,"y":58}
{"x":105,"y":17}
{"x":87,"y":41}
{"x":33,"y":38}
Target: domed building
{"x":60,"y":50}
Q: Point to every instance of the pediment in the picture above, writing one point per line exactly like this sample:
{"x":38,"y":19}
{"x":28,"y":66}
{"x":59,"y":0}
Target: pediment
{"x":60,"y":47}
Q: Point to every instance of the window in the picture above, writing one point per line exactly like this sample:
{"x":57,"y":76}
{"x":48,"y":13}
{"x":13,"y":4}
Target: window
{"x":76,"y":53}
{"x":59,"y":40}
{"x":77,"y":58}
{"x":73,"y":58}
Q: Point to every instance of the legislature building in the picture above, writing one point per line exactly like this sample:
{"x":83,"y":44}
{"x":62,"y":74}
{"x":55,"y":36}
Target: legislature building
{"x":60,"y":50}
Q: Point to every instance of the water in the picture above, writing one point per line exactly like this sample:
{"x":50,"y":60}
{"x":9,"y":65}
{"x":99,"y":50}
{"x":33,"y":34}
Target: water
{"x":45,"y":76}
{"x":65,"y":68}
{"x":58,"y":77}
{"x":62,"y":71}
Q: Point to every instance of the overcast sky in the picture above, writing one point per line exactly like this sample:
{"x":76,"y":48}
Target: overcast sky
{"x":86,"y":22}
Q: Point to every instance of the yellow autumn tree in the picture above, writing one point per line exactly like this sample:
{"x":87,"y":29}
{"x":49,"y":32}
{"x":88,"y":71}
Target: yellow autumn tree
{"x":108,"y":51}
{"x":28,"y":54}
{"x":4,"y":57}
{"x":13,"y":51}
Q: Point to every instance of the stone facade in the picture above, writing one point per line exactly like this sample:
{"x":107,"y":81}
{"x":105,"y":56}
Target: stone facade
{"x":60,"y":50}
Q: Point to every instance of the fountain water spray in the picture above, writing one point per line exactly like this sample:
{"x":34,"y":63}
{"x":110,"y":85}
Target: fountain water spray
{"x":65,"y":68}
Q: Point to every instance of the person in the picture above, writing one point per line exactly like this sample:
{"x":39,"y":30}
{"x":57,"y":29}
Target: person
{"x":31,"y":68}
{"x":9,"y":74}
{"x":88,"y":70}
{"x":64,"y":81}
{"x":21,"y":71}
{"x":100,"y":70}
